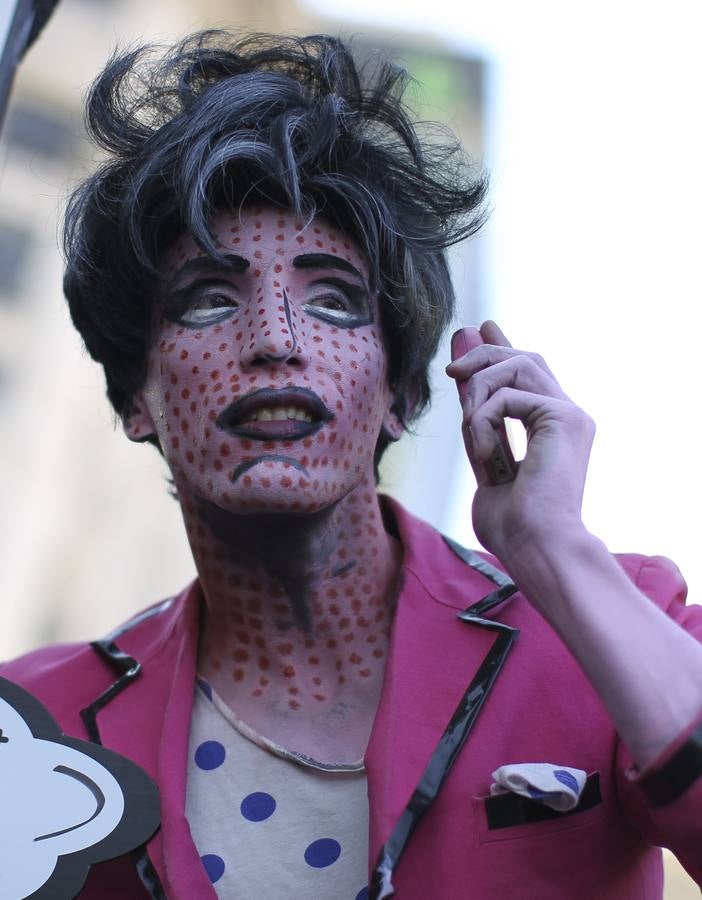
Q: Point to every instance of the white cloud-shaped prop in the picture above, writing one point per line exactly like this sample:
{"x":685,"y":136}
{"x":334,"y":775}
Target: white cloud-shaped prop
{"x":64,"y":803}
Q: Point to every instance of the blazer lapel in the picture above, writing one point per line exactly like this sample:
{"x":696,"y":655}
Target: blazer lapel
{"x":149,"y":721}
{"x":432,"y":659}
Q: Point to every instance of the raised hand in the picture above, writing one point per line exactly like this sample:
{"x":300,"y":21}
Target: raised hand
{"x":497,"y":381}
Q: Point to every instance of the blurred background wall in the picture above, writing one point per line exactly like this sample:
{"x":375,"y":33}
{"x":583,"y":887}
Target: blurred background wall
{"x":585,"y":116}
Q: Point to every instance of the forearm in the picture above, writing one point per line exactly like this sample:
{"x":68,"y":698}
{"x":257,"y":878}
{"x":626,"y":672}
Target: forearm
{"x":645,"y":668}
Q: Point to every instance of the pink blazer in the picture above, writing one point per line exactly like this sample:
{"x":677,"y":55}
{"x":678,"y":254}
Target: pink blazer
{"x":541,"y":709}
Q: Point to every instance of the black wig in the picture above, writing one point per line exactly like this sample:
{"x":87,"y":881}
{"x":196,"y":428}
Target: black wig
{"x":219,"y":121}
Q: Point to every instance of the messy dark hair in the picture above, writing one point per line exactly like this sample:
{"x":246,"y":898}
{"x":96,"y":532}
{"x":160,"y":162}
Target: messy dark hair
{"x":218,"y":121}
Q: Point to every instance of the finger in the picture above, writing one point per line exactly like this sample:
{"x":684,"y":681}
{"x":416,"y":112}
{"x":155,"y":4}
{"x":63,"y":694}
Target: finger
{"x":532,"y":410}
{"x":462,"y":342}
{"x":493,"y":334}
{"x":475,"y":464}
{"x":520,"y":372}
{"x":487,"y":418}
{"x":499,"y":466}
{"x":486,"y":355}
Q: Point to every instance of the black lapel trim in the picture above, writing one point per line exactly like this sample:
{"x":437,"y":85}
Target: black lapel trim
{"x":458,"y":729}
{"x":128,"y":669}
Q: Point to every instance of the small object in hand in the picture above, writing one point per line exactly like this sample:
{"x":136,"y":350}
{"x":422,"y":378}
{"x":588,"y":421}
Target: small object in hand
{"x":500,"y":467}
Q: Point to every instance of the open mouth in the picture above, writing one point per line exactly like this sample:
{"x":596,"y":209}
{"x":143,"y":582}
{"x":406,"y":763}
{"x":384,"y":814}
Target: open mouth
{"x":267,"y":414}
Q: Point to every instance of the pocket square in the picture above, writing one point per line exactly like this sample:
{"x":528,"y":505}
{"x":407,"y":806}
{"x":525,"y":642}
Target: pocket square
{"x":558,"y":787}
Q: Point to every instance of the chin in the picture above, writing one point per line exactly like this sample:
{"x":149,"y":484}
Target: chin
{"x":265,"y":500}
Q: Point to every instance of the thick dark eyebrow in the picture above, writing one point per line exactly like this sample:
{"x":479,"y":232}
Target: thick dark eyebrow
{"x":200,"y":264}
{"x":325,"y":261}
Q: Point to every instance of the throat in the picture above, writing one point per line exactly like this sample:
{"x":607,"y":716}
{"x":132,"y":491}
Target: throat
{"x":297,"y":650}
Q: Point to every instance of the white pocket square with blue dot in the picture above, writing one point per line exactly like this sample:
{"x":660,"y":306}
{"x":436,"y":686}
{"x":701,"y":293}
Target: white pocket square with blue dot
{"x":558,"y":787}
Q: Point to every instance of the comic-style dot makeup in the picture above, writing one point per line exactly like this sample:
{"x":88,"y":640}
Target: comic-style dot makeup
{"x":267,"y":385}
{"x":267,"y":390}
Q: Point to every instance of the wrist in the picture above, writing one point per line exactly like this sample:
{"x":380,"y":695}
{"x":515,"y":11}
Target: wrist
{"x":543,"y":542}
{"x":557,"y":571}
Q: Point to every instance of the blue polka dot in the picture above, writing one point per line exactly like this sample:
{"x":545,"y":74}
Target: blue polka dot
{"x":214,"y":866}
{"x":535,"y":793}
{"x":322,"y":853}
{"x":566,"y":778}
{"x":362,"y":894}
{"x":210,"y":755}
{"x":257,"y":807}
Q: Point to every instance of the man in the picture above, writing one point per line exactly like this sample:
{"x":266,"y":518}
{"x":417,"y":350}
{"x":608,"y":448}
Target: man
{"x":259,"y":267}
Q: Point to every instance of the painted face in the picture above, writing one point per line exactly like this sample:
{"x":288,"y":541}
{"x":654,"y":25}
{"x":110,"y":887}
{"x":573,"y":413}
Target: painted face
{"x":267,"y":384}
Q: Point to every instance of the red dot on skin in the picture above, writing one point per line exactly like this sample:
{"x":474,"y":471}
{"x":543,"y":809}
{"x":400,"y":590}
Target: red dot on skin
{"x":364,"y":673}
{"x":293,"y":704}
{"x":319,"y":697}
{"x":240,"y":655}
{"x":238,"y":674}
{"x":263,"y":662}
{"x":288,"y":671}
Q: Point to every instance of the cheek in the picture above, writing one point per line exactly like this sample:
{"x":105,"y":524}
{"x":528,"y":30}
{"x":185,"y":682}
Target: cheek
{"x":355,"y":359}
{"x":192,"y":376}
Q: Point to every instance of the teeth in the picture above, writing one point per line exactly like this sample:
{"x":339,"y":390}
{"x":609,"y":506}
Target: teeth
{"x":280,"y":414}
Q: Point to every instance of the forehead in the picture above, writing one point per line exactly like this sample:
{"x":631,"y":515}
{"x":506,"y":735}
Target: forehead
{"x":264,"y":233}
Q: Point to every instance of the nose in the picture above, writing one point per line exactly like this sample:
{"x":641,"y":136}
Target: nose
{"x":271,"y":333}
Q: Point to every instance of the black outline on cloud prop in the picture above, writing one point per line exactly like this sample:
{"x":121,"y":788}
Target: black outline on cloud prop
{"x":93,"y":804}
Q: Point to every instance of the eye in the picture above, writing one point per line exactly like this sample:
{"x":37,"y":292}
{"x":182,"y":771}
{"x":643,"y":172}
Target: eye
{"x":339,"y":303}
{"x":206,"y":304}
{"x":330,"y":302}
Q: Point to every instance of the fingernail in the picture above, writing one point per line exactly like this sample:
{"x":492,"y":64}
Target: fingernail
{"x":459,"y":347}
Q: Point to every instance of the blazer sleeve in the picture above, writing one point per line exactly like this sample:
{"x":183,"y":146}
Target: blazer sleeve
{"x":664,"y":802}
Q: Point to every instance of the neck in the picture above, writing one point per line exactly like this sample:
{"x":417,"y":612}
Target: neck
{"x":298,"y":614}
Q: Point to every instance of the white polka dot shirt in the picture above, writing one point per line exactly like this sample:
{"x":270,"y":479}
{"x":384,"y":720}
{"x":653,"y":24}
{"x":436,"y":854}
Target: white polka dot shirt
{"x":267,"y":826}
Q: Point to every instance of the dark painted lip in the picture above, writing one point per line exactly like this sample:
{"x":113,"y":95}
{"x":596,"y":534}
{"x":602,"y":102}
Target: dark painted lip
{"x":232,"y":418}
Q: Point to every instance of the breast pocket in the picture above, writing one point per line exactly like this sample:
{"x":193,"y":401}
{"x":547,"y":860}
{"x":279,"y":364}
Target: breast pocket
{"x":508,"y":816}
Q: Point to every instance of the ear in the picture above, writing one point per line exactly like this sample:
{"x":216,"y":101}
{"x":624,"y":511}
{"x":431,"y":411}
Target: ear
{"x":392,"y":428}
{"x":137,"y":422}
